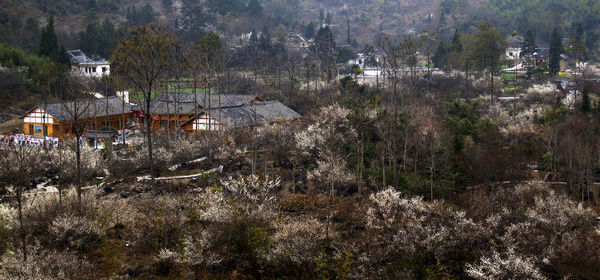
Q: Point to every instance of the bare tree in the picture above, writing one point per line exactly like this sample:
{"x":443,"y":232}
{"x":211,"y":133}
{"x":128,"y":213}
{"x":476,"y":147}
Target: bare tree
{"x":79,"y":108}
{"x":144,"y":59}
{"x":19,"y":166}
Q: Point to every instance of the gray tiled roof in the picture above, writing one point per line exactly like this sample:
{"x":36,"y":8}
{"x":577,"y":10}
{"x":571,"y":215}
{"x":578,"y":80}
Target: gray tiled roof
{"x":86,"y":108}
{"x":215,"y":101}
{"x":253,"y":114}
{"x":78,"y":57}
{"x":162,"y":107}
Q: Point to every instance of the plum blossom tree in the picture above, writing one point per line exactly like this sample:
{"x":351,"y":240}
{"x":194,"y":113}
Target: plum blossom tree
{"x":505,"y":266}
{"x":19,"y":166}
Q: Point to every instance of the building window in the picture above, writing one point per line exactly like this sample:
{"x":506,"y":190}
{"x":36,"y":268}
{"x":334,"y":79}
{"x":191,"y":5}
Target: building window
{"x":38,"y":129}
{"x":31,"y":129}
{"x":103,"y":69}
{"x":94,"y":69}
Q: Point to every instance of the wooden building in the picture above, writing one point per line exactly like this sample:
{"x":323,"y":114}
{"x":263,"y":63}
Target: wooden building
{"x":59,"y":119}
{"x":194,"y":113}
{"x":234,"y":117}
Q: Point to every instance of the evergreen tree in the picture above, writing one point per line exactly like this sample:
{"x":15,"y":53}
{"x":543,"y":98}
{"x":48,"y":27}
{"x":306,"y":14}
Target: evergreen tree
{"x":442,"y":22}
{"x":586,"y":103}
{"x":489,"y":47}
{"x":309,"y":30}
{"x":321,"y":17}
{"x":253,"y":38}
{"x":108,"y":38}
{"x":48,"y":41}
{"x":324,"y":49}
{"x":63,"y":57}
{"x":89,"y":39}
{"x":142,"y":16}
{"x":440,"y":57}
{"x":529,"y":47}
{"x":348,"y":39}
{"x":329,"y":18}
{"x":265,"y":39}
{"x":577,"y":48}
{"x":556,"y":50}
{"x":193,"y":20}
{"x":255,"y":8}
{"x":456,"y":45}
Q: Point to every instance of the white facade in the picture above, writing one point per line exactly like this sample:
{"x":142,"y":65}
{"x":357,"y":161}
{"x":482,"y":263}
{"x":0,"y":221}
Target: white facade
{"x":513,"y":53}
{"x":89,"y":67}
{"x":38,"y":116}
{"x":94,"y":70}
{"x":202,"y":123}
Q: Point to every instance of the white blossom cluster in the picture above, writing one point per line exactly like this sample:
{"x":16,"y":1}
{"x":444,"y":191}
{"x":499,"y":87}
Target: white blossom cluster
{"x":329,"y":127}
{"x":43,"y":264}
{"x":297,"y":240}
{"x":507,"y":265}
{"x":331,"y":168}
{"x":255,"y":195}
{"x":535,"y":230}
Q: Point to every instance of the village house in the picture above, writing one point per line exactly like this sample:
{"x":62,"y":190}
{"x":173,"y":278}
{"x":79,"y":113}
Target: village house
{"x":195,"y":113}
{"x":59,"y":119}
{"x":295,"y":41}
{"x":514,"y":47}
{"x":92,"y":68}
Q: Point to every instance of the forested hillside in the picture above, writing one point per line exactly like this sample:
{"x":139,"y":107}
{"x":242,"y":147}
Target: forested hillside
{"x":20,"y":20}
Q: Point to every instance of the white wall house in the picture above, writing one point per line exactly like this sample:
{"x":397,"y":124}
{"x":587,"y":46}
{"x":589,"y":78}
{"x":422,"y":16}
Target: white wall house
{"x":93,"y":68}
{"x":513,"y":53}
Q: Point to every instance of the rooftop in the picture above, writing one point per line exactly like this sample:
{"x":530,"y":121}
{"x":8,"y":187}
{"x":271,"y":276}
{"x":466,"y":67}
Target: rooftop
{"x":252,"y":114}
{"x":78,"y":57}
{"x":88,"y":108}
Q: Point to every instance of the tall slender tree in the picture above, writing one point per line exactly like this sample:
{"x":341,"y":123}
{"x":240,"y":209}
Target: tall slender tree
{"x":489,"y":47}
{"x":530,"y":46}
{"x":48,"y":41}
{"x":556,"y":50}
{"x":146,"y":57}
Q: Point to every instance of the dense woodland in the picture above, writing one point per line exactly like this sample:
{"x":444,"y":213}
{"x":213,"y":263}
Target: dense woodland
{"x":444,"y":167}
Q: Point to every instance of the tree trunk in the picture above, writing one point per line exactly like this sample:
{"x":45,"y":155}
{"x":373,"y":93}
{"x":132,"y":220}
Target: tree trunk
{"x":78,"y":165}
{"x":22,"y":227}
{"x":149,"y":137}
{"x":492,"y":85}
{"x":432,"y":169}
{"x":383,"y":167}
{"x":361,"y":167}
{"x":293,"y":176}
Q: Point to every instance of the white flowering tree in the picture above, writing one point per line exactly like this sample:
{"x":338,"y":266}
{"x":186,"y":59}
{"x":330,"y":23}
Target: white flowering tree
{"x":421,"y":232}
{"x":19,"y":166}
{"x":64,"y":162}
{"x":328,"y":131}
{"x":504,"y":266}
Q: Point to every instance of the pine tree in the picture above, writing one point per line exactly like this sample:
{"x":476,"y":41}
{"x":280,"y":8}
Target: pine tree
{"x":329,"y":18}
{"x":489,"y":46}
{"x":324,"y":49}
{"x":530,"y":47}
{"x":48,"y":41}
{"x":253,"y":38}
{"x":586,"y":103}
{"x":577,"y":48}
{"x":456,"y":45}
{"x":348,"y":39}
{"x":440,"y":57}
{"x":62,"y":57}
{"x":556,"y":50}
